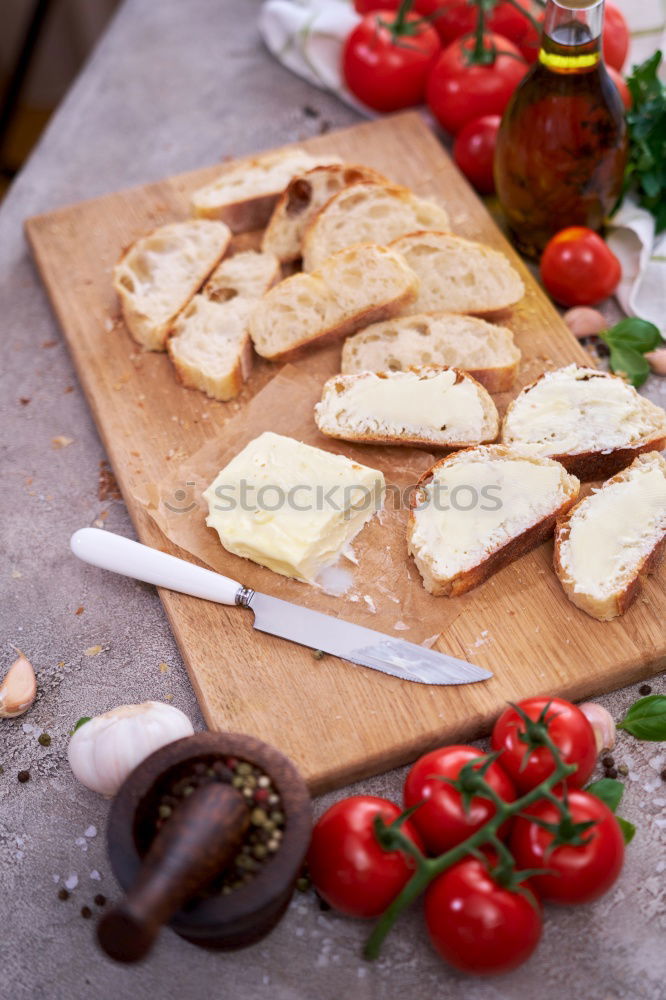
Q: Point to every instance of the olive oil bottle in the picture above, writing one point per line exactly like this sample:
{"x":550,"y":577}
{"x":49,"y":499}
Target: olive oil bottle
{"x":562,"y":145}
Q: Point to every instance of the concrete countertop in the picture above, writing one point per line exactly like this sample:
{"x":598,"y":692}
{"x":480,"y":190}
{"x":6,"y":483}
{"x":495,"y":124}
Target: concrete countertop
{"x":173,"y":86}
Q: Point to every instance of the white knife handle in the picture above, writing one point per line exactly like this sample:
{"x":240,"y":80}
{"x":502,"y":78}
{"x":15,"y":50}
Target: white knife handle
{"x":122,"y":555}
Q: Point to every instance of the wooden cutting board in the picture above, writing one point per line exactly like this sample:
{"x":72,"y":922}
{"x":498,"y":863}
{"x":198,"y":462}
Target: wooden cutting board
{"x":337,"y":721}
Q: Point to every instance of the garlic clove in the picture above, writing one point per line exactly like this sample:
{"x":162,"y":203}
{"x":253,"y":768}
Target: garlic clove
{"x":585,"y":322}
{"x":18,"y":690}
{"x":657,"y":360}
{"x":602,"y":723}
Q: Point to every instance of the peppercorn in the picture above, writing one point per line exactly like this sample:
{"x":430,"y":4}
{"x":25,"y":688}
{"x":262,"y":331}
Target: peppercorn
{"x":23,"y":776}
{"x":63,"y":894}
{"x":623,"y":770}
{"x":100,"y":900}
{"x":319,"y":654}
{"x":663,"y":775}
{"x":44,"y":740}
{"x":86,"y":912}
{"x":608,"y":761}
{"x":611,"y":772}
{"x":303,"y":883}
{"x":645,"y":689}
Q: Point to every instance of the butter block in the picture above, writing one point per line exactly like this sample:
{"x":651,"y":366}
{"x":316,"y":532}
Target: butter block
{"x":291,"y":507}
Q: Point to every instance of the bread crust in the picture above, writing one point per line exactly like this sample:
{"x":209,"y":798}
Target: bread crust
{"x":222,"y":389}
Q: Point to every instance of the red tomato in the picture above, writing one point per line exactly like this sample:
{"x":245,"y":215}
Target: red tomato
{"x":348,"y":866}
{"x":442,"y":821}
{"x":506,"y":20}
{"x":474,"y":151}
{"x":580,"y":874}
{"x":619,"y":82}
{"x":388,"y":71}
{"x":569,"y":730}
{"x":477,"y":925}
{"x":616,"y":37}
{"x":578,"y":268}
{"x":457,"y":93}
{"x":458,"y":17}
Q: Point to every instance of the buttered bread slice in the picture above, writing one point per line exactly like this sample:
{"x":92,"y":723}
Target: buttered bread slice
{"x":486,"y":351}
{"x":351,"y":289}
{"x":613,"y":538}
{"x":593,"y":422}
{"x":368,"y":213}
{"x":432,"y":407}
{"x":478,"y":510}
{"x":291,"y":507}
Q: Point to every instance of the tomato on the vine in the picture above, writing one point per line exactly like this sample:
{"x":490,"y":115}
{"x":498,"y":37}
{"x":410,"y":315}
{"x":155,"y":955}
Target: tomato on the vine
{"x":442,"y":820}
{"x":567,"y":727}
{"x":616,"y":37}
{"x":478,"y":925}
{"x":386,"y":61}
{"x":580,"y":873}
{"x":578,"y":268}
{"x":347,"y":864}
{"x":474,"y":151}
{"x":459,"y":91}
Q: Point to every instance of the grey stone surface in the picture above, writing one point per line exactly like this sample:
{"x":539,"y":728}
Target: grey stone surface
{"x":172,"y":86}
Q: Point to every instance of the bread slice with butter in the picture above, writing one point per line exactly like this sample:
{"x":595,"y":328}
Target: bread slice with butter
{"x":478,"y":510}
{"x":486,"y":351}
{"x":209,"y":343}
{"x":245,"y":193}
{"x":291,"y":507}
{"x":159,"y":273}
{"x":593,"y":422}
{"x":458,"y":275}
{"x":351,"y":289}
{"x":613,"y":538}
{"x":368,"y":213}
{"x":431,"y":407}
{"x":303,"y":197}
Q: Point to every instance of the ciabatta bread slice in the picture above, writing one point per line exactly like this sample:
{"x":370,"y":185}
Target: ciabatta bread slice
{"x":351,"y":289}
{"x":613,"y":538}
{"x":459,"y":276}
{"x":245,"y":193}
{"x":368,"y":213}
{"x":432,"y":407}
{"x":476,"y":511}
{"x":209,"y":344}
{"x":304,"y":196}
{"x":592,"y":422}
{"x":158,"y":275}
{"x":486,"y":351}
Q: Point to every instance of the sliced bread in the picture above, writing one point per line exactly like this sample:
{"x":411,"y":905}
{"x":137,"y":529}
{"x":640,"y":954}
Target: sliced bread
{"x":593,"y":422}
{"x":458,"y":275}
{"x":351,"y":289}
{"x":433,"y":407}
{"x":209,"y":344}
{"x":304,"y":196}
{"x":158,"y":275}
{"x":478,"y":510}
{"x":245,"y":193}
{"x":613,"y":538}
{"x":486,"y":351}
{"x":368,"y":213}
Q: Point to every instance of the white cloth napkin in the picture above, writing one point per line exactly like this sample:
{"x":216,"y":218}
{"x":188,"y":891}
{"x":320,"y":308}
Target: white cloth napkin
{"x":307,"y":36}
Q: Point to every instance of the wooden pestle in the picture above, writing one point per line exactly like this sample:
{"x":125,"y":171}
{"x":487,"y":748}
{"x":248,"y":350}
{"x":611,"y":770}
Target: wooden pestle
{"x":194,"y":846}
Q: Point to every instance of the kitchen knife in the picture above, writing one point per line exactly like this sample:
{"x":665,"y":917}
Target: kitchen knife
{"x":289,"y":621}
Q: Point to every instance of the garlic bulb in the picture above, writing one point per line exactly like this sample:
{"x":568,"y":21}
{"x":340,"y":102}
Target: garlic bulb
{"x":585,"y":322}
{"x":104,"y":750}
{"x":657,"y":360}
{"x":602,"y":723}
{"x":18,"y":690}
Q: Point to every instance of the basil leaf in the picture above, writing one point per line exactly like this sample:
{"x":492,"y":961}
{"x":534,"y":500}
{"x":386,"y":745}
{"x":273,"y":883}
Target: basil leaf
{"x":645,"y":173}
{"x":609,"y":790}
{"x":634,"y":332}
{"x":628,"y":829}
{"x":629,"y":363}
{"x":646,"y":719}
{"x":80,"y":722}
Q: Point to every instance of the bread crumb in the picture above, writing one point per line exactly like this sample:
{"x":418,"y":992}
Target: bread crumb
{"x":61,"y":441}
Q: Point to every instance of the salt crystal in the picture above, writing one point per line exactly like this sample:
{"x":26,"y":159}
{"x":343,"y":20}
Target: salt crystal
{"x":369,"y":601}
{"x":81,"y":842}
{"x":90,"y":832}
{"x":95,"y":875}
{"x":27,"y":727}
{"x":19,"y":855}
{"x":71,"y":881}
{"x":56,"y":878}
{"x":401,"y":627}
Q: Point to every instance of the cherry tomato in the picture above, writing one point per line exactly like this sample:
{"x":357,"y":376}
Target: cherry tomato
{"x":567,"y":727}
{"x":442,"y":820}
{"x":474,"y":151}
{"x":477,"y":925}
{"x":616,"y":37}
{"x":506,"y":20}
{"x":388,"y":71}
{"x":578,"y":268}
{"x":458,"y":17}
{"x":580,"y":874}
{"x":457,"y":92}
{"x":348,"y":866}
{"x":621,"y":85}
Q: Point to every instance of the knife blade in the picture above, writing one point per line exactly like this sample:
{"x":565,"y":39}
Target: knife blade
{"x":314,"y":629}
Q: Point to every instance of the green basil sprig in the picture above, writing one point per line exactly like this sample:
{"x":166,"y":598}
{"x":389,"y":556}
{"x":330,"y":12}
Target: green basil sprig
{"x":628,"y":341}
{"x":646,"y":719}
{"x":610,"y":792}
